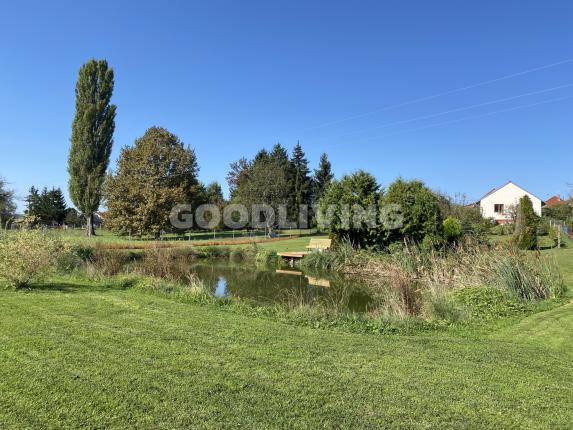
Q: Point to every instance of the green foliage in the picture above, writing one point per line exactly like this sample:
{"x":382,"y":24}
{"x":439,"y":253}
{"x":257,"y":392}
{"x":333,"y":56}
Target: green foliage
{"x":27,"y":256}
{"x":271,"y":178}
{"x":152,"y":176}
{"x":74,"y":256}
{"x":452,"y":229}
{"x":215,"y":252}
{"x":301,"y":182}
{"x":349,"y":209}
{"x":73,"y":218}
{"x":442,"y":306}
{"x":555,"y":235}
{"x":521,"y":276}
{"x":266,"y":180}
{"x":92,"y":137}
{"x":322,"y":177}
{"x":206,"y":356}
{"x":214,"y":194}
{"x":525,"y":235}
{"x":561,"y":212}
{"x":488,"y":302}
{"x":322,"y":261}
{"x":266,"y":257}
{"x":420,"y":209}
{"x":502,"y":229}
{"x":49,"y":206}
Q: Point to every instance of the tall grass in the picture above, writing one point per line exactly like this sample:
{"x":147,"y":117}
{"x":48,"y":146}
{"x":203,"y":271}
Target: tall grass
{"x":517,"y":273}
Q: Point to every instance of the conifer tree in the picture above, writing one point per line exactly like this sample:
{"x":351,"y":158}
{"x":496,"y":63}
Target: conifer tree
{"x":92,"y":137}
{"x":322,"y":177}
{"x":527,"y":221}
{"x":301,"y":182}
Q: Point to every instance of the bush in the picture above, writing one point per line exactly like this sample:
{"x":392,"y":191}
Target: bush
{"x":27,"y":256}
{"x":420,"y":209}
{"x":215,"y":252}
{"x":452,"y":229}
{"x":266,"y":257}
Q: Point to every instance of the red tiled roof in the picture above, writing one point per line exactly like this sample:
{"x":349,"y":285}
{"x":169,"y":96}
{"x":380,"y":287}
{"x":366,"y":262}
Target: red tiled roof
{"x":555,"y":200}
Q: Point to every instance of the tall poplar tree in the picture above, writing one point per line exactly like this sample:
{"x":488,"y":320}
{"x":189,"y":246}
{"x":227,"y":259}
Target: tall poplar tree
{"x":92,"y":137}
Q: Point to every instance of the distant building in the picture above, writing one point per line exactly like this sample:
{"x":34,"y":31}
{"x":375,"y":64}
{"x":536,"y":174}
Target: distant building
{"x":500,"y":203}
{"x":555,"y":200}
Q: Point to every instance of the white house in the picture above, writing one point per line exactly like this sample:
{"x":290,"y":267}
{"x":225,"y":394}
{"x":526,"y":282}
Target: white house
{"x":499,"y":204}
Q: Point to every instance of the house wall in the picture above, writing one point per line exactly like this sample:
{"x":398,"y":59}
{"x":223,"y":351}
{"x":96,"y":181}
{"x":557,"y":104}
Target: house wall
{"x":509,"y":196}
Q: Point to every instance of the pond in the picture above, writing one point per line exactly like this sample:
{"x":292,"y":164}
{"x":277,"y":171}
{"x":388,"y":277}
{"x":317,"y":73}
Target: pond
{"x":286,"y":286}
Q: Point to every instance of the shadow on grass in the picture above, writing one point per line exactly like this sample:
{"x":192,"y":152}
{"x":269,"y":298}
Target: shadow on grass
{"x":78,"y":286}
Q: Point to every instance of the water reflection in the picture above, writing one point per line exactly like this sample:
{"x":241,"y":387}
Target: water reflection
{"x":283,"y":286}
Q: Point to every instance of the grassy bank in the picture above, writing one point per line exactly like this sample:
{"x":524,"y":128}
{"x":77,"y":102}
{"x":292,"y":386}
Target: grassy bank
{"x":93,"y":357}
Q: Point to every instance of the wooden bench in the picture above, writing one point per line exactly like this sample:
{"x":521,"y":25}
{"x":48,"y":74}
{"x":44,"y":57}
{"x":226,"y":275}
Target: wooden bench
{"x":319,"y":244}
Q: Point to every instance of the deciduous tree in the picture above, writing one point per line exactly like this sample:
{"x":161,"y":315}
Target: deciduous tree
{"x":152,"y":176}
{"x":92,"y":137}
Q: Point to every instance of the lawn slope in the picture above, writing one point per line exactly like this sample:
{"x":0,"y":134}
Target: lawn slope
{"x":78,"y":357}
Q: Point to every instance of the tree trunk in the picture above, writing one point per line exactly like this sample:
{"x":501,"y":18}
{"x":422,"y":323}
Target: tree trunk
{"x":90,"y":225}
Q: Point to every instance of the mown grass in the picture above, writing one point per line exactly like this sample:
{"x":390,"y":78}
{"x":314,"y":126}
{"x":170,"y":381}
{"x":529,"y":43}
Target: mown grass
{"x":81,"y":356}
{"x":93,"y":354}
{"x":106,"y":237}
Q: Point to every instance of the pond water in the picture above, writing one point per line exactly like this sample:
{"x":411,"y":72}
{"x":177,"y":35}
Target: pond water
{"x":268,"y":286}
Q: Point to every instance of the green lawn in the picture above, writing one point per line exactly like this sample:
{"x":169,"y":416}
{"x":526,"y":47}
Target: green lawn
{"x":104,"y":237}
{"x":76,"y":356}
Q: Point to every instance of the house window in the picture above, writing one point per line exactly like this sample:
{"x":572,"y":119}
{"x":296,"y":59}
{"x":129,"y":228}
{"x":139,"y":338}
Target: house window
{"x":498,"y":208}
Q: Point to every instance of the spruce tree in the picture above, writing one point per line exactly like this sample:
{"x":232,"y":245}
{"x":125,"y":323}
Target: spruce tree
{"x":322,"y":177}
{"x":92,"y":137}
{"x":33,"y":202}
{"x":300,"y":178}
{"x":57,"y":205}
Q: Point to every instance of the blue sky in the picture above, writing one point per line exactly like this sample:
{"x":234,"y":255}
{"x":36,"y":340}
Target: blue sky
{"x":356,"y":79}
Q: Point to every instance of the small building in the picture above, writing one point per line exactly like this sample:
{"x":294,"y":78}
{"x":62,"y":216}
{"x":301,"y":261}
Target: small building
{"x":500,"y":204}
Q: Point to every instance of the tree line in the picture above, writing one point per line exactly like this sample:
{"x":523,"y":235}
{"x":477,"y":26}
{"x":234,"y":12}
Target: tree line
{"x":159,"y":171}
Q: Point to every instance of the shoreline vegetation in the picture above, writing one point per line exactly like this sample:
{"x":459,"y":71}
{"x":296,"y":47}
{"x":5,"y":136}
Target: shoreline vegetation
{"x":412,"y":288}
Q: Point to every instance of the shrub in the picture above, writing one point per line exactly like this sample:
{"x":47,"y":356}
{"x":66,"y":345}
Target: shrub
{"x":27,"y":256}
{"x":420,"y":209}
{"x":525,"y":235}
{"x":215,"y":252}
{"x":452,"y":229}
{"x":266,"y":257}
